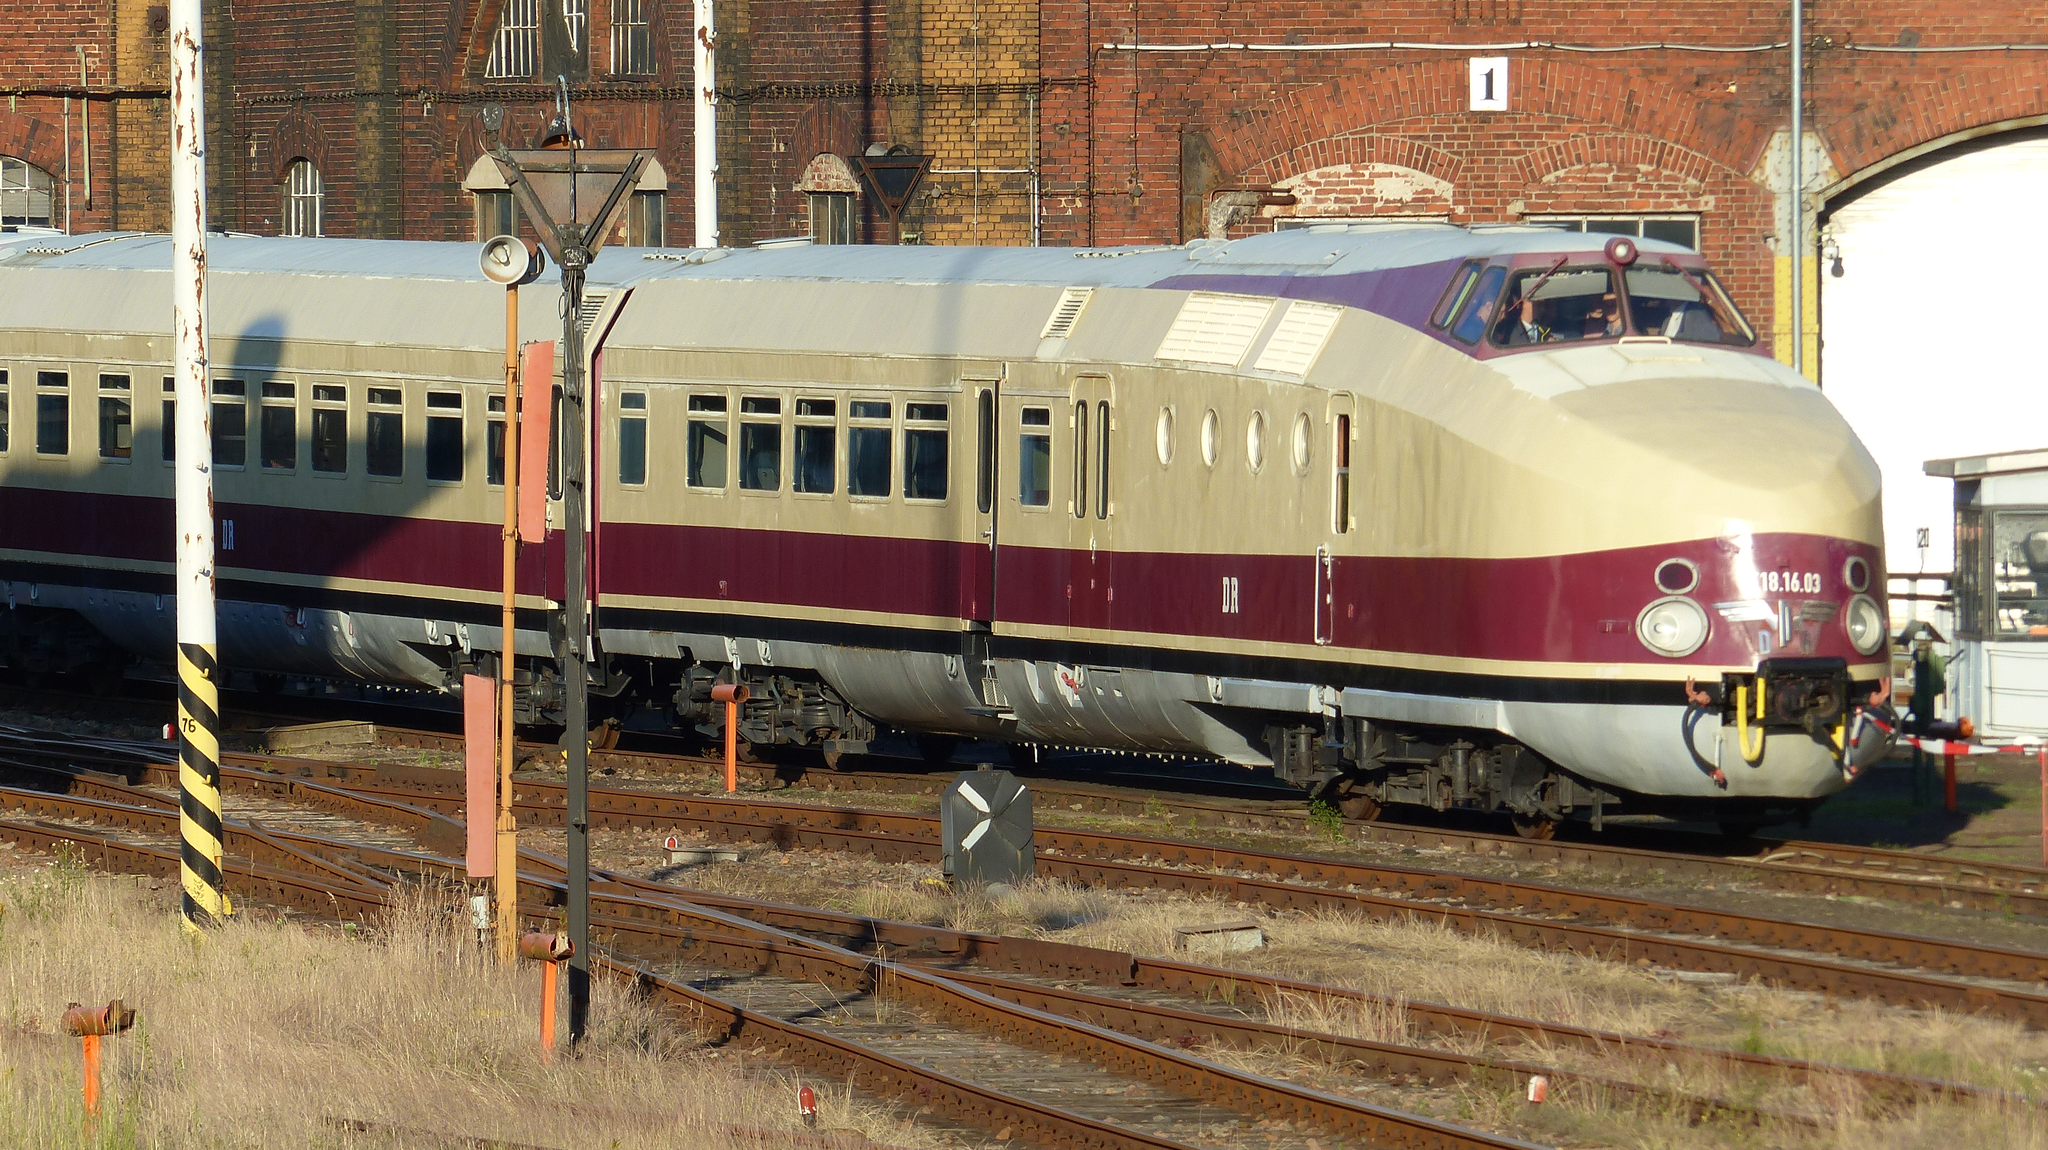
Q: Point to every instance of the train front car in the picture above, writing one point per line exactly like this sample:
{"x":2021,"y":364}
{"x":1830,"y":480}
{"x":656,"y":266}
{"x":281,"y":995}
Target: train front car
{"x":1681,"y":535}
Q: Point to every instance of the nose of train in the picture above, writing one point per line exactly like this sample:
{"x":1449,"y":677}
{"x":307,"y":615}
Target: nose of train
{"x":1754,"y":514}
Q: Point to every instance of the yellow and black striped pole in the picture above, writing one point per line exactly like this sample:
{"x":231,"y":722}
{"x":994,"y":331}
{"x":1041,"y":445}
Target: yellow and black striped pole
{"x":198,"y":670}
{"x":199,"y":830}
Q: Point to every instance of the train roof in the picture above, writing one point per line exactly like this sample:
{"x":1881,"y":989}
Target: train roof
{"x":1325,"y":250}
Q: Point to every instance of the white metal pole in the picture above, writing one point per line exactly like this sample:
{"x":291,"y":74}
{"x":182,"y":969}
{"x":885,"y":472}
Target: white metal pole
{"x":705,"y":79}
{"x":1798,"y":188}
{"x":198,"y":671}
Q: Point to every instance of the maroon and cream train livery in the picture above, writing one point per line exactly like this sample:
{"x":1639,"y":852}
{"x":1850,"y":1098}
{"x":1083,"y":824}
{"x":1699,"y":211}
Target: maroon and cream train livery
{"x":1408,"y":513}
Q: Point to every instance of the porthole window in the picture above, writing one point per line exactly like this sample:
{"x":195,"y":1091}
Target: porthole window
{"x":1302,"y":444}
{"x":1165,"y":436}
{"x":1677,"y":576}
{"x":1255,"y":441}
{"x":1211,"y":438}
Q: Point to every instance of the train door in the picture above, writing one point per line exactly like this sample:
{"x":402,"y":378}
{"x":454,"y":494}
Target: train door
{"x":978,"y":569}
{"x":1340,"y":517}
{"x":1091,"y":415}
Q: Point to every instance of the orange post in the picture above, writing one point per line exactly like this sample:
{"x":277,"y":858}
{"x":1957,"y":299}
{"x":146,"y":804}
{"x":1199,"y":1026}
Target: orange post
{"x":551,"y":950}
{"x":1948,"y":780}
{"x":92,"y":1075}
{"x":90,"y":1023}
{"x":732,"y":695}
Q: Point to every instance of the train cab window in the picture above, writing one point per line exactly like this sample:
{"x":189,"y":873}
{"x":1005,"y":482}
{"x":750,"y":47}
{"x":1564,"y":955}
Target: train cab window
{"x":230,"y":423}
{"x":117,"y":423}
{"x":632,"y":437}
{"x":1558,"y":305}
{"x":280,"y":429}
{"x":924,"y":451}
{"x":1454,"y":295}
{"x":1684,"y":304}
{"x":707,"y":445}
{"x":384,"y":433}
{"x":53,"y":413}
{"x":760,"y":443}
{"x":3,"y":409}
{"x":444,"y":436}
{"x":1477,"y":310}
{"x":330,"y":428}
{"x":168,"y":432}
{"x":1081,"y":460}
{"x":816,"y":446}
{"x":868,"y":455}
{"x":1034,"y":457}
{"x":494,"y":441}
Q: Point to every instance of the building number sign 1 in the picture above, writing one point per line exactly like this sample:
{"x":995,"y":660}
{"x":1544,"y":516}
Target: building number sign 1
{"x":1489,"y":83}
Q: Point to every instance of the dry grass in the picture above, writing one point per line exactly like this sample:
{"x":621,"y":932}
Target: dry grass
{"x":265,"y":1033}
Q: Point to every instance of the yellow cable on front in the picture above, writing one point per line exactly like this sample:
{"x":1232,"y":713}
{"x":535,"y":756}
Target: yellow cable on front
{"x":1742,"y":723}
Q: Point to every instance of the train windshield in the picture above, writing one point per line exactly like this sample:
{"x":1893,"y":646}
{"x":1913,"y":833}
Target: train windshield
{"x":1558,"y":305}
{"x":1684,"y":304}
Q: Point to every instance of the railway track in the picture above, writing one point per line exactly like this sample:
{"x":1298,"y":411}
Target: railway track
{"x":1150,"y":1023}
{"x":1793,"y":866}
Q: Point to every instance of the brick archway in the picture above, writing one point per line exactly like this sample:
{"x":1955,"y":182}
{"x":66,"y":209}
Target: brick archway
{"x":36,"y":141}
{"x":296,"y":137}
{"x":1932,"y":115}
{"x":1299,"y":129}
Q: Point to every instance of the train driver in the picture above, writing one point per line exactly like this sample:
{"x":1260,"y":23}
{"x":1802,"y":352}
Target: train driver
{"x":1527,"y":323}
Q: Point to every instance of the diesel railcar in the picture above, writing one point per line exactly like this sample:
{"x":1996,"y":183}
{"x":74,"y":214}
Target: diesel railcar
{"x":1498,"y":518}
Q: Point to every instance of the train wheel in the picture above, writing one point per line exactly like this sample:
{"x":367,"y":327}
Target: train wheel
{"x":605,"y":735}
{"x":834,"y":760}
{"x":1535,"y":827}
{"x":1359,"y":807}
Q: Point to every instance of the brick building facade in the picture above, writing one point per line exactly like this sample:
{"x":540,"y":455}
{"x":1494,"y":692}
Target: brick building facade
{"x":1064,"y":121}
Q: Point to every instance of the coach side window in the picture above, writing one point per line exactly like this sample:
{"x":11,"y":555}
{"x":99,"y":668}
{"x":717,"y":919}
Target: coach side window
{"x":708,"y":440}
{"x":985,"y":450}
{"x":384,"y":432}
{"x":117,"y":425}
{"x":1034,"y":458}
{"x":633,"y":437}
{"x":867,"y":448}
{"x":330,"y":428}
{"x":924,"y":451}
{"x":816,"y":446}
{"x":760,"y":443}
{"x":53,"y":413}
{"x":230,"y":423}
{"x":280,"y":406}
{"x":444,"y":436}
{"x":3,"y":409}
{"x":168,"y":432}
{"x":494,"y":441}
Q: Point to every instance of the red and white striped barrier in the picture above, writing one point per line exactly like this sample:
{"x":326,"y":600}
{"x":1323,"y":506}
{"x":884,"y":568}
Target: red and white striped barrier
{"x":1951,"y":747}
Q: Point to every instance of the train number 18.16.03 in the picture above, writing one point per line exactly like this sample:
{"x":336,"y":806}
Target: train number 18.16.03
{"x":1790,"y":582}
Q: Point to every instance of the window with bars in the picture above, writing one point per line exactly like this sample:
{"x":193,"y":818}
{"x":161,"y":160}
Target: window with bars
{"x":26,"y":193}
{"x":303,"y":199}
{"x":576,"y":17}
{"x":515,"y":52}
{"x":632,"y":39}
{"x":1677,"y":229}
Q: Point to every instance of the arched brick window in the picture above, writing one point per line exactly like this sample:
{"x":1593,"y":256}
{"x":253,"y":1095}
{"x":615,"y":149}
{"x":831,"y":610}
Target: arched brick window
{"x":304,"y":197}
{"x":27,"y":194}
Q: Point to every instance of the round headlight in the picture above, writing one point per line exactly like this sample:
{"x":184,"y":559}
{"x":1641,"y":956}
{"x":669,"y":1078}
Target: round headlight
{"x":1864,"y":620}
{"x":1673,"y":626}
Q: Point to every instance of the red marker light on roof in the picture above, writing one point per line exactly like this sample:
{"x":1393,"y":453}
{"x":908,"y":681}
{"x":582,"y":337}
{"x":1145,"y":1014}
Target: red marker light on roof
{"x":1622,"y":250}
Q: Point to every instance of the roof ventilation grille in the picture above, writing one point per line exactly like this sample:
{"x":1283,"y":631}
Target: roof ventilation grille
{"x":1215,"y":328}
{"x":1066,"y":313}
{"x":593,"y":302}
{"x":1299,"y":338}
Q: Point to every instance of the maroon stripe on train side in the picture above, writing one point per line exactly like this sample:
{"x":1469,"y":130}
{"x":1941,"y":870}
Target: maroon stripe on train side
{"x":929,"y":577}
{"x":1569,"y":608}
{"x":285,"y":540}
